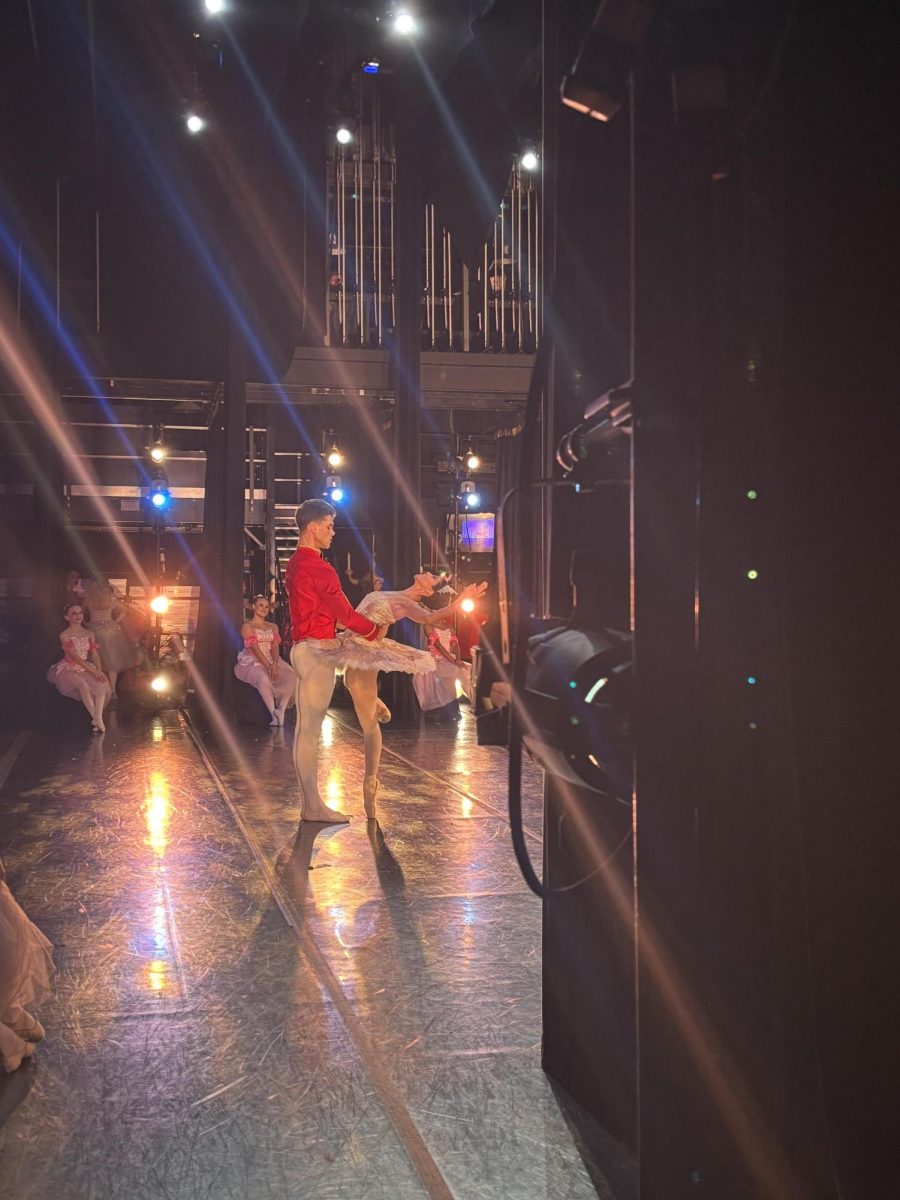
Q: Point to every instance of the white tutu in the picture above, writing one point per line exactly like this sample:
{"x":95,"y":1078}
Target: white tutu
{"x":388,"y":655}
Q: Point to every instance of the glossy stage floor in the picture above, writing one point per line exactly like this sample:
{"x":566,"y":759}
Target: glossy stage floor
{"x":245,"y":1010}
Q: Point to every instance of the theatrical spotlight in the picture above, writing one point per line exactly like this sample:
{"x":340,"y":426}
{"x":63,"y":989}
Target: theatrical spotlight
{"x":473,"y":462}
{"x":334,"y":489}
{"x":160,"y":604}
{"x":160,"y":684}
{"x":371,"y":66}
{"x":194,"y":123}
{"x":404,"y":22}
{"x":467,"y":605}
{"x":468,"y":494}
{"x":158,"y":453}
{"x":529,"y":161}
{"x":214,"y":7}
{"x":343,"y":135}
{"x":159,"y":495}
{"x":334,"y":458}
{"x":578,"y":694}
{"x":598,"y":82}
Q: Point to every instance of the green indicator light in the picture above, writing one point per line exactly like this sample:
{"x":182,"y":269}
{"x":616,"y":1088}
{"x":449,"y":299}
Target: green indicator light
{"x":753,"y":725}
{"x":573,"y":720}
{"x":753,"y":574}
{"x":753,"y":494}
{"x":572,"y":683}
{"x":751,"y":679}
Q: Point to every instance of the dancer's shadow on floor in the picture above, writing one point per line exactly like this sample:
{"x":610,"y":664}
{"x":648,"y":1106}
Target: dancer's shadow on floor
{"x":390,"y":873}
{"x":14,"y":1088}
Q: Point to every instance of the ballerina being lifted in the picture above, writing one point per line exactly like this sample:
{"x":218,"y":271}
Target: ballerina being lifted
{"x":361,"y":661}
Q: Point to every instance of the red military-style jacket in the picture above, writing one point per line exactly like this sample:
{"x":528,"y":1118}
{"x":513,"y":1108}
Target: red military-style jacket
{"x":317,"y":602}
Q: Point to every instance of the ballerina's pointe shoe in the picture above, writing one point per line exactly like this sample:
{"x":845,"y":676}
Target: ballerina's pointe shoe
{"x":324,"y":815}
{"x":382,"y":712}
{"x":13,"y":1049}
{"x":28,"y":1028}
{"x":370,"y":792}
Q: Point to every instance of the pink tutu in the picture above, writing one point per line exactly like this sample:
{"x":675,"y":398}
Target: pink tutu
{"x":25,"y":960}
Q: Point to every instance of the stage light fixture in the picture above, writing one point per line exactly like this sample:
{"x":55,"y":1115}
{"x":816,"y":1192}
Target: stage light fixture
{"x":213,"y":7}
{"x":334,"y":458}
{"x":598,"y":82}
{"x":404,"y":22}
{"x":334,"y":489}
{"x":159,"y":495}
{"x":160,"y":604}
{"x":158,"y":453}
{"x":194,"y":123}
{"x":473,"y":500}
{"x":529,"y":161}
{"x":344,"y":136}
{"x":467,"y":605}
{"x":578,"y":698}
{"x":160,"y":684}
{"x":473,"y":462}
{"x":371,"y":66}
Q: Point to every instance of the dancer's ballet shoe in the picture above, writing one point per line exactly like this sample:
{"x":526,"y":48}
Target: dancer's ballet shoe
{"x":324,"y":815}
{"x":370,"y":792}
{"x":95,"y":728}
{"x":14,"y":1050}
{"x":274,"y":720}
{"x":382,"y":712}
{"x":28,"y":1028}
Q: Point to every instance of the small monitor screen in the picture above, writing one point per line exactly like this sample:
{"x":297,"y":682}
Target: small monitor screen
{"x":476,"y":532}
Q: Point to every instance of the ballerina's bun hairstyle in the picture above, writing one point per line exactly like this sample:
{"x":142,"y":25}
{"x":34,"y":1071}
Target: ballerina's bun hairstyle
{"x":311,"y":511}
{"x":72,"y":604}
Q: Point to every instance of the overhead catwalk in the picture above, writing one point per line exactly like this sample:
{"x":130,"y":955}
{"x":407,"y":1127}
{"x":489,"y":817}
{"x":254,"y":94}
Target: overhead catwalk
{"x":261,"y":1008}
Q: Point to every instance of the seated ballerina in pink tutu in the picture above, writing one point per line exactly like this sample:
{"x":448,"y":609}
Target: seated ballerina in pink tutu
{"x":79,"y":674}
{"x":260,"y":664}
{"x":361,"y":661}
{"x":25,"y":968}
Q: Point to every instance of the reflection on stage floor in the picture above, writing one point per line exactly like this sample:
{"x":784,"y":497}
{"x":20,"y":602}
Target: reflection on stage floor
{"x":247,"y":1010}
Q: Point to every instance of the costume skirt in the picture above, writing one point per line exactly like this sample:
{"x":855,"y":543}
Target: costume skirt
{"x":116,"y":652}
{"x":377,"y":656}
{"x":25,"y":960}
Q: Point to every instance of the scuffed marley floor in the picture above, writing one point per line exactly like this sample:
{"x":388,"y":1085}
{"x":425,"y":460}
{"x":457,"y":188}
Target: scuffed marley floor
{"x":247,"y":1011}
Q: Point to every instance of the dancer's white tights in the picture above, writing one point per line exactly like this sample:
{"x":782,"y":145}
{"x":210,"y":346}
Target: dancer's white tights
{"x":314,"y":690}
{"x":363,"y":689}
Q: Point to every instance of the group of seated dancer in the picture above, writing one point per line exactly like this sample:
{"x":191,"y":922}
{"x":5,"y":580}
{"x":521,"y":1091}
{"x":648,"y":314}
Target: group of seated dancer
{"x":317,"y":607}
{"x":100,"y":657}
{"x":261,"y":665}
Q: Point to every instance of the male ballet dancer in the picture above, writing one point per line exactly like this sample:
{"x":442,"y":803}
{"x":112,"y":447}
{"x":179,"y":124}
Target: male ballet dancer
{"x":317,"y":604}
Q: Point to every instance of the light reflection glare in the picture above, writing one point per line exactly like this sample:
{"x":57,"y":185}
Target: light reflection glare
{"x":157,"y":814}
{"x":328,"y":733}
{"x":333,"y":788}
{"x":467,"y":807}
{"x":157,"y":975}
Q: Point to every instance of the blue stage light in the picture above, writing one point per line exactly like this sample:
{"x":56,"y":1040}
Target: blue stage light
{"x":371,"y":67}
{"x":160,"y":498}
{"x":473,"y":500}
{"x":337,"y":495}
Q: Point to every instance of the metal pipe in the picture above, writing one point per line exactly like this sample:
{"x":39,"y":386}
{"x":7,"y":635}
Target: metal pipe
{"x":466,"y":329}
{"x":97,"y":268}
{"x":358,"y":236}
{"x":433,"y":295}
{"x":502,"y":275}
{"x":57,"y":252}
{"x":450,"y":288}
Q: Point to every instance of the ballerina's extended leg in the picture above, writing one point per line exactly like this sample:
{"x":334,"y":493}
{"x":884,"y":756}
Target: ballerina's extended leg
{"x":363,"y":688}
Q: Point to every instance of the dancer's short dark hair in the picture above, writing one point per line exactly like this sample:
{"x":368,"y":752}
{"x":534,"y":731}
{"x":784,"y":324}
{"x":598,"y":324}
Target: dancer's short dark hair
{"x":313,"y":510}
